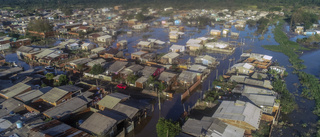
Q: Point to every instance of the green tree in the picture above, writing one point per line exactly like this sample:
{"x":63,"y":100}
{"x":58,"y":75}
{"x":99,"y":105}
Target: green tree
{"x":63,"y":80}
{"x":167,"y":128}
{"x":40,"y":25}
{"x":96,"y":69}
{"x":49,"y":76}
{"x":140,"y":17}
{"x":132,"y":78}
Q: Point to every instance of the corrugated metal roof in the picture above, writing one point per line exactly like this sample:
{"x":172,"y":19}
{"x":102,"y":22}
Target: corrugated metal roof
{"x":54,"y":95}
{"x":14,"y":90}
{"x":129,"y":111}
{"x":98,"y":123}
{"x":109,"y":101}
{"x":28,"y":96}
{"x":67,"y":107}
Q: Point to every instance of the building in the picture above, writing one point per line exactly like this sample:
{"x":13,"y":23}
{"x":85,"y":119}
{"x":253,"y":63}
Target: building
{"x":141,"y":82}
{"x":210,"y":127}
{"x":206,"y":60}
{"x":169,"y":58}
{"x":215,"y":32}
{"x":112,"y":53}
{"x":137,"y":55}
{"x":168,"y":77}
{"x":252,"y":82}
{"x":56,"y":128}
{"x":240,"y":114}
{"x":104,"y":39}
{"x":134,"y":69}
{"x":66,"y":109}
{"x":29,"y":96}
{"x":56,"y":96}
{"x":14,"y":90}
{"x":74,"y":64}
{"x":242,"y":68}
{"x":187,"y":78}
{"x":27,"y":52}
{"x":108,"y":102}
{"x":177,"y":48}
{"x":116,"y":67}
{"x":87,"y":46}
{"x":10,"y":105}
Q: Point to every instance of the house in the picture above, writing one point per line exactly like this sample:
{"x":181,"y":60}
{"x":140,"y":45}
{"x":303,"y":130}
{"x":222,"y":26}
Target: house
{"x":99,"y":61}
{"x":99,"y":50}
{"x":67,"y":108}
{"x":210,"y":127}
{"x":242,"y":68}
{"x":73,"y":46}
{"x":258,"y":60}
{"x":116,"y":67}
{"x":10,"y":71}
{"x":27,"y":52}
{"x":149,"y":57}
{"x":74,"y":64}
{"x":21,"y":42}
{"x":87,"y":46}
{"x":111,"y":53}
{"x":2,"y":60}
{"x":100,"y":124}
{"x":267,"y":103}
{"x":177,"y":48}
{"x":145,"y":44}
{"x":206,"y":60}
{"x":187,"y":78}
{"x":141,"y":82}
{"x":299,"y":29}
{"x":215,"y":32}
{"x":217,"y":45}
{"x":56,"y":128}
{"x":278,"y":69}
{"x":56,"y":96}
{"x":240,"y":114}
{"x":104,"y":38}
{"x":5,"y":46}
{"x":194,"y":44}
{"x":127,"y":110}
{"x":29,"y":96}
{"x":246,"y":89}
{"x":152,"y":71}
{"x":10,"y":105}
{"x":249,"y":81}
{"x":14,"y":90}
{"x":49,"y":56}
{"x":198,"y":68}
{"x":169,"y":58}
{"x":137,"y":55}
{"x":257,"y":75}
{"x":134,"y":69}
{"x":108,"y":102}
{"x":168,"y":77}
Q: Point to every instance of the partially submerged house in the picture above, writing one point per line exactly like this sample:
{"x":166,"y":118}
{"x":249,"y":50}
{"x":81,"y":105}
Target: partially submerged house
{"x":187,"y":78}
{"x":240,"y":114}
{"x":241,"y":68}
{"x":169,"y":58}
{"x":207,"y":60}
{"x":211,"y":127}
{"x":249,"y":81}
{"x":177,"y":48}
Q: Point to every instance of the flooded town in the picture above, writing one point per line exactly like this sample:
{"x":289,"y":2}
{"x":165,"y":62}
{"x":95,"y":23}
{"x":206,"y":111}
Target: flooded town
{"x":147,"y":72}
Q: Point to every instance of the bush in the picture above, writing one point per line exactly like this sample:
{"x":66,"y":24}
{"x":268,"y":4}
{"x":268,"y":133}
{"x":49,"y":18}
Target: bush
{"x":167,"y":128}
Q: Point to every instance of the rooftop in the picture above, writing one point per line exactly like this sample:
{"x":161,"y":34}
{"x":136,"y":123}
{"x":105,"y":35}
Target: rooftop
{"x":15,"y":90}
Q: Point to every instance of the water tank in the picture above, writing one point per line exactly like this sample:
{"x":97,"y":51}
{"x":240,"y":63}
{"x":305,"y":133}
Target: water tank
{"x":19,"y":124}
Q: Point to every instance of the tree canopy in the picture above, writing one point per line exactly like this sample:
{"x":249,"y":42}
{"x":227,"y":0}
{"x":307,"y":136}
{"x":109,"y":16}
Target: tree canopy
{"x":167,"y":128}
{"x":63,"y":80}
{"x":96,"y":69}
{"x":40,"y":25}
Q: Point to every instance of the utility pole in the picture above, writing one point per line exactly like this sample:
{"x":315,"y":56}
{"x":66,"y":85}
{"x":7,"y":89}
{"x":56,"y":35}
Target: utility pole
{"x":217,"y":73}
{"x":159,"y":103}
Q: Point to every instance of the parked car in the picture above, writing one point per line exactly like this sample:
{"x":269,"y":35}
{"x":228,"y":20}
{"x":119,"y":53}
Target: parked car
{"x":122,"y":86}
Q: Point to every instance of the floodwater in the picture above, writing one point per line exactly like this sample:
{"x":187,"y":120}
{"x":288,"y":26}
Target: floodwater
{"x":173,"y":108}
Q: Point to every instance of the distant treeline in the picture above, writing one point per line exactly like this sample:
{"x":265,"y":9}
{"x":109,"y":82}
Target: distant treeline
{"x":182,"y":4}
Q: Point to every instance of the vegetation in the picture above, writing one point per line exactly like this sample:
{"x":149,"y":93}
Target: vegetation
{"x":310,"y":42}
{"x":49,"y":76}
{"x":63,"y":80}
{"x":287,"y":47}
{"x":40,"y":25}
{"x":167,"y":128}
{"x":132,"y":78}
{"x":212,"y":95}
{"x":287,"y":99}
{"x":264,"y":129}
{"x":96,"y":69}
{"x":300,"y":16}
